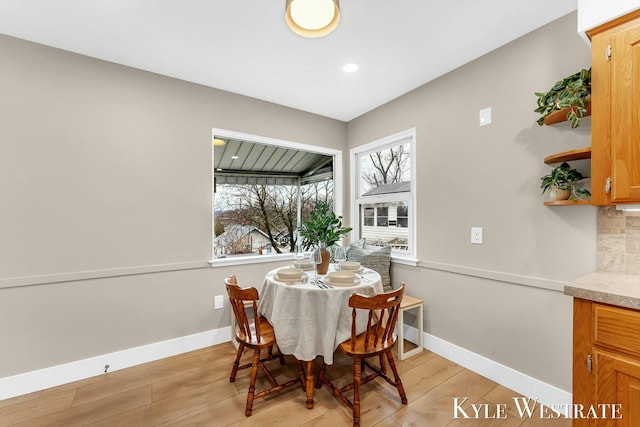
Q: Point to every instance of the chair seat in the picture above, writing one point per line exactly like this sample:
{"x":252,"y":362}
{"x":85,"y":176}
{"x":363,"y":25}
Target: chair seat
{"x":359,"y":348}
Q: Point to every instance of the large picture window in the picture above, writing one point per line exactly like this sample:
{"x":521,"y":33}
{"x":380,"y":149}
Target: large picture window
{"x":383,"y":180}
{"x":263,"y":189}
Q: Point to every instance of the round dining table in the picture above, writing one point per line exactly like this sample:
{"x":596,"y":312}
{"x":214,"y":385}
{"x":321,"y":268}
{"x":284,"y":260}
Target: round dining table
{"x":311,"y":316}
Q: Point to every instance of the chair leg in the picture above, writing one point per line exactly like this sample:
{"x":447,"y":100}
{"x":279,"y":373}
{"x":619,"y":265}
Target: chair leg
{"x":280,"y":355}
{"x":383,"y":365}
{"x":399,"y":386}
{"x":236,"y":364}
{"x":321,"y":373}
{"x":357,"y":372}
{"x":309,"y":384}
{"x":301,"y":376}
{"x":252,"y":384}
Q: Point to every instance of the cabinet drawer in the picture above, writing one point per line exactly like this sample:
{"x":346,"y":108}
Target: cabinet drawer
{"x":616,"y":328}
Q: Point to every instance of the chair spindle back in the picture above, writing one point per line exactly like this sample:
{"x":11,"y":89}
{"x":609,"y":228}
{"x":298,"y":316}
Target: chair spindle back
{"x":381,"y":319}
{"x":237,"y":297}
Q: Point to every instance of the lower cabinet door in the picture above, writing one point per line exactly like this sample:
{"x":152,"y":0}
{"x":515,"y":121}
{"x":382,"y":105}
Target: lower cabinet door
{"x":617,"y":383}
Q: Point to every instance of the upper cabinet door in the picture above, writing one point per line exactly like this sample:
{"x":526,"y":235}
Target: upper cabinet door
{"x":625,"y":115}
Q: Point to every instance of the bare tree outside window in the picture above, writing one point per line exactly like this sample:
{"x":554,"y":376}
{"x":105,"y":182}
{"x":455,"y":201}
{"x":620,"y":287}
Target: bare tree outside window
{"x":272,"y":208}
{"x":385,"y":166}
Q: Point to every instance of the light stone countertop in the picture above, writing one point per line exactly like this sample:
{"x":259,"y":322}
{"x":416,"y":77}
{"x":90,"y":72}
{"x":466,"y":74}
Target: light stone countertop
{"x":610,"y":288}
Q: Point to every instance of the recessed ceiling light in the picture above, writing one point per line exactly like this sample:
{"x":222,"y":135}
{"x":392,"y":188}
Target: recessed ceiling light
{"x":350,"y":68}
{"x":234,"y":157}
{"x":218,"y":142}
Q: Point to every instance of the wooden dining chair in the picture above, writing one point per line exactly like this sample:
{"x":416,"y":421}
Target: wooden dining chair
{"x":377,"y":340}
{"x":254,"y":332}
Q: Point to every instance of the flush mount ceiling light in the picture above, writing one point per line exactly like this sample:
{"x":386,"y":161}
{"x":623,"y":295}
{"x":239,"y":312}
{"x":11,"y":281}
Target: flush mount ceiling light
{"x":312,"y":18}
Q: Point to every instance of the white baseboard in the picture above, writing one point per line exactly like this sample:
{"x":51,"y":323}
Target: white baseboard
{"x":41,"y":379}
{"x":545,"y":394}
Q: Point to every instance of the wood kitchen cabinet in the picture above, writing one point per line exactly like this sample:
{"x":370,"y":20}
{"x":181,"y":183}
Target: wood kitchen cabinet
{"x":615,"y":103}
{"x":606,"y":361}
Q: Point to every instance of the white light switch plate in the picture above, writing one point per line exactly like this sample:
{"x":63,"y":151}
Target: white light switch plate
{"x":485,"y":116}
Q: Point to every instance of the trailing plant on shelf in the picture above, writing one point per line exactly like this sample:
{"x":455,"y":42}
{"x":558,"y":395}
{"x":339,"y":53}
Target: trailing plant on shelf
{"x":323,"y":228}
{"x":571,"y":93}
{"x":561,"y":183}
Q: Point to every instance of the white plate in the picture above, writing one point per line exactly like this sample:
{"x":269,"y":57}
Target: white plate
{"x":297,"y":279}
{"x":342,"y":284}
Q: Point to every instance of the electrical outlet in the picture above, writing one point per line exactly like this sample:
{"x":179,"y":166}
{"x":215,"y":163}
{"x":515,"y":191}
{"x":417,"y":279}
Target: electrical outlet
{"x":476,"y":235}
{"x":218,"y":302}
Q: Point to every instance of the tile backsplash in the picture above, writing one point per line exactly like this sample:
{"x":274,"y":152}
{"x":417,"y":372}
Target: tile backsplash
{"x":618,"y":240}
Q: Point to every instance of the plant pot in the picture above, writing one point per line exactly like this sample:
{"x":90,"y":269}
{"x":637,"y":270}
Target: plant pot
{"x":326,"y":257}
{"x":556,"y":193}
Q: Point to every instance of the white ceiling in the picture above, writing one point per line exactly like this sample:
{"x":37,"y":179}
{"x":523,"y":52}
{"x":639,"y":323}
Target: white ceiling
{"x":245,"y":47}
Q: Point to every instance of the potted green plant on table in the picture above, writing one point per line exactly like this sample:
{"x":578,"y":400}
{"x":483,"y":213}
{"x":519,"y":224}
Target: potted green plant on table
{"x":572,"y":94}
{"x":561,"y":184}
{"x":323,"y":229}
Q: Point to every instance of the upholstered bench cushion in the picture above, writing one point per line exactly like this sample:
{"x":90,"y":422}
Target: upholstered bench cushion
{"x":376,"y":258}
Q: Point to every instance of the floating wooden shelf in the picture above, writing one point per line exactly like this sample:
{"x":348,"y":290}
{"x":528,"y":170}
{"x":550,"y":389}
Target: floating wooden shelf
{"x":567,"y":202}
{"x":561,"y":115}
{"x":567,"y":156}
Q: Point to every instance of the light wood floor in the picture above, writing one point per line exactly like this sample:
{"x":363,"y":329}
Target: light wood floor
{"x":193,"y":389}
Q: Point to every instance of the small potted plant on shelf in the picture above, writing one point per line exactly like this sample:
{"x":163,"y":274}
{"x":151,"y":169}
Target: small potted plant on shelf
{"x":561,"y":184}
{"x":323,"y":229}
{"x":571,"y":94}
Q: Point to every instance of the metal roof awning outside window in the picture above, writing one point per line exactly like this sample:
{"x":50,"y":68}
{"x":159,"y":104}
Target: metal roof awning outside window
{"x":245,"y":162}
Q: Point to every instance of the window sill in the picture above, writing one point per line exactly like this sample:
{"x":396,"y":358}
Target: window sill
{"x":404,"y":260}
{"x":249,"y":259}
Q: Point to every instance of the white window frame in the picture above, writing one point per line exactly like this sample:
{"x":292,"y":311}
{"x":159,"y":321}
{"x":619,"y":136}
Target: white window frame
{"x":337,"y":188}
{"x":406,"y":136}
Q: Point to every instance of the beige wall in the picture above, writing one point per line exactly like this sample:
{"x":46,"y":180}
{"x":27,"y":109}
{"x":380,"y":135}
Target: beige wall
{"x":97,"y":158}
{"x":106,"y":169}
{"x":484,"y":298}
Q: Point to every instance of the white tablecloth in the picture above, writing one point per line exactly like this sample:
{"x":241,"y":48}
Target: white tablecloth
{"x":309,"y":321}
